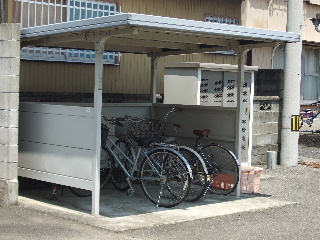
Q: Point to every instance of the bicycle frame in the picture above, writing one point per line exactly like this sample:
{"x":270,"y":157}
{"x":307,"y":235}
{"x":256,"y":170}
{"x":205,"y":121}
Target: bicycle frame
{"x":309,"y":116}
{"x":135,"y":160}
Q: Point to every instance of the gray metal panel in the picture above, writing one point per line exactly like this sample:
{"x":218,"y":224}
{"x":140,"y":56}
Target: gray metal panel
{"x":71,"y":162}
{"x":174,"y":24}
{"x":56,"y":143}
{"x":69,"y":109}
{"x":220,"y":120}
{"x":55,"y":178}
{"x":126,"y":25}
{"x":212,"y":28}
{"x":62,"y":130}
{"x":83,"y":25}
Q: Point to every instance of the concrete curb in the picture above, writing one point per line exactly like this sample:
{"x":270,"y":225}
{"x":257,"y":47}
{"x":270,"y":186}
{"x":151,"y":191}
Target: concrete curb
{"x":212,"y":208}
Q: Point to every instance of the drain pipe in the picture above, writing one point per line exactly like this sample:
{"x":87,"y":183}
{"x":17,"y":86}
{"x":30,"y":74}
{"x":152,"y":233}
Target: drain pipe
{"x":291,"y":86}
{"x":269,"y":7}
{"x":2,"y":11}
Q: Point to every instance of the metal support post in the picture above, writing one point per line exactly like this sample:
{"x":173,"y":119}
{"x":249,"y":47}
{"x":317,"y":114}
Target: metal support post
{"x":154,"y":80}
{"x":240,"y":112}
{"x":99,"y":47}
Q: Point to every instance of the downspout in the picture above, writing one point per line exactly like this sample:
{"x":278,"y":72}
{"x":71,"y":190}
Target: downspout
{"x":2,"y":11}
{"x":268,"y":27}
{"x":269,"y":7}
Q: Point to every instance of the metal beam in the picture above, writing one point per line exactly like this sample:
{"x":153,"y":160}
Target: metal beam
{"x":154,"y":43}
{"x":81,"y":36}
{"x":184,"y":38}
{"x":218,"y":48}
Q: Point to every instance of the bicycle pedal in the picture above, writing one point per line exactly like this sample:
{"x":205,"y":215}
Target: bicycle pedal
{"x":130,"y":192}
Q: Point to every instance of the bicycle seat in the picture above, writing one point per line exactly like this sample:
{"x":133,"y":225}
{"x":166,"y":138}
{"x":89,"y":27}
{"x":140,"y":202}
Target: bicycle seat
{"x":143,"y":141}
{"x":202,"y":133}
{"x":164,"y":139}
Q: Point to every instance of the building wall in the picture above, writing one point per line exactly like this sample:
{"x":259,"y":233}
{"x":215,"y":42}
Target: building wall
{"x":133,"y":74}
{"x":272,"y":14}
{"x":266,"y":126}
{"x":309,"y":33}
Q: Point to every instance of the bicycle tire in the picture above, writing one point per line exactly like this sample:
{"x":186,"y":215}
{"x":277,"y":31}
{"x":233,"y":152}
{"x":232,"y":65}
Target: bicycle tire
{"x":199,"y":182}
{"x":118,"y":176}
{"x":165,"y":177}
{"x":223,"y":169}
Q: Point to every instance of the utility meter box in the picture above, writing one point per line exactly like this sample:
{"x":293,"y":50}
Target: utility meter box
{"x":205,"y":84}
{"x":214,"y":85}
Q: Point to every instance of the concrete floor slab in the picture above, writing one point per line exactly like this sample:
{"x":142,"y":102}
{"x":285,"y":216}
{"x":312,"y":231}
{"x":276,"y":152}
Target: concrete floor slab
{"x":118,"y":212}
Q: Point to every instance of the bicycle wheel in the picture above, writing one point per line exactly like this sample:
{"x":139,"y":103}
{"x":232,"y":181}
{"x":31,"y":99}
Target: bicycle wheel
{"x":199,"y":182}
{"x":118,"y":176}
{"x":165,"y":178}
{"x":223,"y":169}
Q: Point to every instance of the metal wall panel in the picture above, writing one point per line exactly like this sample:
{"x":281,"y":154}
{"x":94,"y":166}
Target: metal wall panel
{"x":56,"y":140}
{"x":221,"y":121}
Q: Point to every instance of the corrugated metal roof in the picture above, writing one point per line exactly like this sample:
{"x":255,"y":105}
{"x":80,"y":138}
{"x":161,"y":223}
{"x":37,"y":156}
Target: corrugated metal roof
{"x":140,"y":33}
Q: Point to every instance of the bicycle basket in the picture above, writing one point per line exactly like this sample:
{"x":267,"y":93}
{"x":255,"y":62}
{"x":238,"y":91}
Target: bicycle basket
{"x":128,"y":130}
{"x":104,"y":135}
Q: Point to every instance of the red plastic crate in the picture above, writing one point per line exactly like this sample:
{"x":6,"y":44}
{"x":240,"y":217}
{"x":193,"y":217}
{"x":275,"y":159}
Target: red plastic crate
{"x":249,"y":182}
{"x":223,"y":181}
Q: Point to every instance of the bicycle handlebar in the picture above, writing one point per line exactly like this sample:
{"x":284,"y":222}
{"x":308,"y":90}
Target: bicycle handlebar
{"x":114,"y":120}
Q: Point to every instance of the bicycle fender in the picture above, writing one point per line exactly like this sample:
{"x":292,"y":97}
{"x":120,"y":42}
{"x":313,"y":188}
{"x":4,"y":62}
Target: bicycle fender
{"x":197,"y":155}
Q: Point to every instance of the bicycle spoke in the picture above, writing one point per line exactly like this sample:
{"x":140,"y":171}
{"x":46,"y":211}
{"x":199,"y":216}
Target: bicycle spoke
{"x":224,"y":178}
{"x":174,"y":185}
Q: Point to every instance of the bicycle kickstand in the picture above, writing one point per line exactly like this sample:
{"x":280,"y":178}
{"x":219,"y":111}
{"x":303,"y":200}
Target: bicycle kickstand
{"x":130,"y":191}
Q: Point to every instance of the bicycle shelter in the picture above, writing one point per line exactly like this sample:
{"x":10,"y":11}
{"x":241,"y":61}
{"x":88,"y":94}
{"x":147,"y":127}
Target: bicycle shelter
{"x":127,"y":32}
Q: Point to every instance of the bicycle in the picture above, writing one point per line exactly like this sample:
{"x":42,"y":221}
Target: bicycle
{"x":199,"y":182}
{"x":138,"y":129}
{"x":307,"y":115}
{"x":164,"y":174}
{"x":221,"y":163}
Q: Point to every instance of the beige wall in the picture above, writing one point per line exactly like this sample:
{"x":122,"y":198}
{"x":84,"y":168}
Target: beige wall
{"x":309,"y":33}
{"x":134,"y":72}
{"x":272,"y":14}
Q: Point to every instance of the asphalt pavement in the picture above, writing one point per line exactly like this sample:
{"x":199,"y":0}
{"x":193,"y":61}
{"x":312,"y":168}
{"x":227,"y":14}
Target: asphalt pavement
{"x":287,"y":206}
